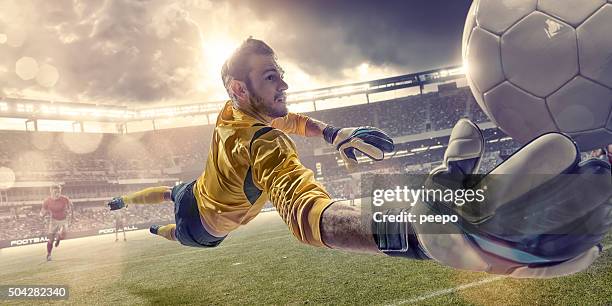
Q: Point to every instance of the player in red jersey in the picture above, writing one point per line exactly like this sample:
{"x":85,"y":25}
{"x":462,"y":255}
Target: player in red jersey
{"x":58,"y":207}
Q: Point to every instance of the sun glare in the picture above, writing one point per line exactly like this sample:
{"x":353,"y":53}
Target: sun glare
{"x":215,"y":51}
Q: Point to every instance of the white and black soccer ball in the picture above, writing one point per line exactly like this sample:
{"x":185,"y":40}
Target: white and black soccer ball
{"x":536,"y":66}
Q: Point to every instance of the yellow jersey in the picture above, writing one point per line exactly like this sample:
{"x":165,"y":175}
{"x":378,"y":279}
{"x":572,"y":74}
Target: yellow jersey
{"x":250,"y":163}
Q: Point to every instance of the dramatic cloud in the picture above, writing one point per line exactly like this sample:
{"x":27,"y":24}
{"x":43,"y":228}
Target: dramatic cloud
{"x":325,"y":37}
{"x":103,"y":51}
{"x":171,"y":51}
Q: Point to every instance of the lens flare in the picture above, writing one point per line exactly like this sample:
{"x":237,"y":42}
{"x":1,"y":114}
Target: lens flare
{"x":7,"y":178}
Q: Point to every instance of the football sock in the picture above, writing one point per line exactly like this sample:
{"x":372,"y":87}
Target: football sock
{"x":152,"y":195}
{"x":167,"y":231}
{"x":49,"y":246}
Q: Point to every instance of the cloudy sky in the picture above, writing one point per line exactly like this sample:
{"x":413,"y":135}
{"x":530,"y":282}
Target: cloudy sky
{"x":147,"y":52}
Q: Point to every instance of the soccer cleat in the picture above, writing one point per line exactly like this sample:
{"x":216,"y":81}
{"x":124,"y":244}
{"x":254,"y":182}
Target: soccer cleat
{"x":48,"y":257}
{"x":116,"y":203}
{"x":154,"y":229}
{"x":166,"y":231}
{"x":57,"y":241}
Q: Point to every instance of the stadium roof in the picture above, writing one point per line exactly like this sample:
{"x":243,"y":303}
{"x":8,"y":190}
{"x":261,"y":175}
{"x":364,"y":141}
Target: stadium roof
{"x":29,"y":110}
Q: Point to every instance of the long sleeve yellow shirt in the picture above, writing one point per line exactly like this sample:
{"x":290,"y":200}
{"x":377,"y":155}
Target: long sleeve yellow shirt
{"x":247,"y":168}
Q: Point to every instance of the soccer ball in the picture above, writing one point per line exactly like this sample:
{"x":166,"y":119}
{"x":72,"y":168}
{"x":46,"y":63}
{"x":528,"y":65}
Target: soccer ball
{"x":536,"y":66}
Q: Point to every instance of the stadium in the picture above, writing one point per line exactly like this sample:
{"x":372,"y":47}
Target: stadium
{"x":224,"y":152}
{"x":419,"y":116}
{"x":79,"y":152}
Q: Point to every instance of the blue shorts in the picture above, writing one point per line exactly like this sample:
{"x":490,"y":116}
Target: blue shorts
{"x":189,"y":228}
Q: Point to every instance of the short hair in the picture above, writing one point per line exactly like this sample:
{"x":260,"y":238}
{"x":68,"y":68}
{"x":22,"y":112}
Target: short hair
{"x":56,"y":186}
{"x":236,"y":66}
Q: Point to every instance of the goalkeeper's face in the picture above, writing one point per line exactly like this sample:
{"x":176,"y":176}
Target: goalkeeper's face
{"x":266,"y":86}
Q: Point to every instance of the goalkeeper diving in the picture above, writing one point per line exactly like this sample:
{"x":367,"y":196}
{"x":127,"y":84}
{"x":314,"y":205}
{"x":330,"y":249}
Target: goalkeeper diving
{"x":528,"y":228}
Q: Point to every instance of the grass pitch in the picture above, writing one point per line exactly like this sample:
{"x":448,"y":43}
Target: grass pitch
{"x":263,"y":264}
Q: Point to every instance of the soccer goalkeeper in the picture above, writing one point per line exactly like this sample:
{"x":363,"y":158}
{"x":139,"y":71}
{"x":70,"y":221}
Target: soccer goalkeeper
{"x":252,"y":160}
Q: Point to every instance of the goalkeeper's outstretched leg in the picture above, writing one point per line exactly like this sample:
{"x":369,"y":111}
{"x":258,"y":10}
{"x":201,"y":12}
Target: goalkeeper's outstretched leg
{"x":151,"y":195}
{"x":189,"y":229}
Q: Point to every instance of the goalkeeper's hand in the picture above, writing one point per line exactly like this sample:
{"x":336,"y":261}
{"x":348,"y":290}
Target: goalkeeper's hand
{"x":544,"y":214}
{"x":370,"y":141}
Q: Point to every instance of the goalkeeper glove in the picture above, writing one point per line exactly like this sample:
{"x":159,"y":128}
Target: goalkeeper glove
{"x":370,"y":141}
{"x":544,"y":214}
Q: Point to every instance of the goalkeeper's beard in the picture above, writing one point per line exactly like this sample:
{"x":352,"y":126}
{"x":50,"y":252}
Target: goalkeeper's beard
{"x":273,"y":110}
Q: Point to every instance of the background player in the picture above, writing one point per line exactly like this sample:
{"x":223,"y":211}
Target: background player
{"x":120,"y":222}
{"x":58,"y":207}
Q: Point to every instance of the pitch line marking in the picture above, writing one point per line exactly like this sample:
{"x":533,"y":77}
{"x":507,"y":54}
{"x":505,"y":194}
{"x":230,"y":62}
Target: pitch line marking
{"x":449,"y":290}
{"x":458,"y":288}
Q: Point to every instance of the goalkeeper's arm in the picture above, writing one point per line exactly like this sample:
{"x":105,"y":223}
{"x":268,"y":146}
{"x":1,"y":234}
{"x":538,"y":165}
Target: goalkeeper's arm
{"x":369,"y":141}
{"x":347,"y":227}
{"x":342,"y":227}
{"x":307,"y":208}
{"x":301,"y":201}
{"x":300,"y":125}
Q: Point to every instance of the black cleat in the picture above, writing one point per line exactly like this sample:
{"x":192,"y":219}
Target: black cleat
{"x":154,"y":228}
{"x":116,"y":203}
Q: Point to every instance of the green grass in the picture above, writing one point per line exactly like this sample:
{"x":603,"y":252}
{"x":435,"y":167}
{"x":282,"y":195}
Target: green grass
{"x":263,"y":264}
